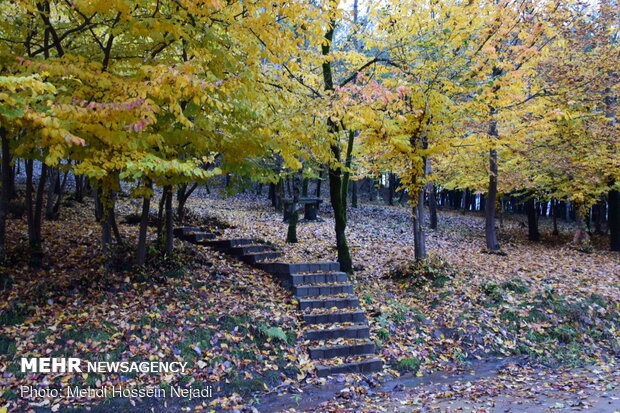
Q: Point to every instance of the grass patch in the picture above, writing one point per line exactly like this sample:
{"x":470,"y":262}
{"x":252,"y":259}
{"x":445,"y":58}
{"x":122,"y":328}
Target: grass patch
{"x":408,"y":364}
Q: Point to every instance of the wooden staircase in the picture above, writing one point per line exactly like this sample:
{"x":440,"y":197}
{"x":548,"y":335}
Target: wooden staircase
{"x":335,"y":328}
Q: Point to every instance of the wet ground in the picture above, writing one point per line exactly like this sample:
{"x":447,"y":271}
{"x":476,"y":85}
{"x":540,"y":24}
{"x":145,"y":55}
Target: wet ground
{"x":507,"y":385}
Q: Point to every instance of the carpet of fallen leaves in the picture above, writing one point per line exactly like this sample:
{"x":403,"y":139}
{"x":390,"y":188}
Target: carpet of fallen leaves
{"x":546,"y":301}
{"x":234,"y":324}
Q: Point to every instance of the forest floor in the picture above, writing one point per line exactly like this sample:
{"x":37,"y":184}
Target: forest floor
{"x":544,"y":316}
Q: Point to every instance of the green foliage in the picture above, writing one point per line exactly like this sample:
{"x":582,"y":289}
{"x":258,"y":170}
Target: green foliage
{"x":273,"y":333}
{"x":411,"y":364}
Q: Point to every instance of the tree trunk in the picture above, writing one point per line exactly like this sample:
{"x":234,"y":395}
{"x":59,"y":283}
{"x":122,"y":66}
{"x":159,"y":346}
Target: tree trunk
{"x":6,"y":184}
{"x":169,"y":222}
{"x":34,"y":212}
{"x":291,"y":236}
{"x":335,"y":189}
{"x":354,"y":196}
{"x":112,"y":218}
{"x":102,"y":210}
{"x":532,"y":220}
{"x":372,"y":190}
{"x":278,"y":195}
{"x":599,"y":217}
{"x":319,"y":181}
{"x":491,"y":205}
{"x":613,"y":220}
{"x":79,"y":188}
{"x":581,"y":235}
{"x":419,"y":238}
{"x":144,"y":222}
{"x":183,"y":194}
{"x":554,"y":212}
{"x":160,"y":216}
{"x":272,"y":194}
{"x":51,"y":189}
{"x":432,"y":206}
{"x":392,"y":188}
{"x":335,"y":173}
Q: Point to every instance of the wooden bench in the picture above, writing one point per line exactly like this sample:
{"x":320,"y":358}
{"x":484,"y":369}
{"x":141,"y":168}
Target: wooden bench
{"x":311,"y":207}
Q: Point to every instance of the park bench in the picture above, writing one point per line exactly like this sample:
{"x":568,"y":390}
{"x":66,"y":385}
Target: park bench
{"x":311,"y":207}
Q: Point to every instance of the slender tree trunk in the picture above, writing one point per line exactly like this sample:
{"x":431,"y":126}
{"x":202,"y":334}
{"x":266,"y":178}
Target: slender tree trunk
{"x":335,"y":173}
{"x":354,"y":195}
{"x":272,"y":194}
{"x":278,"y":195}
{"x":554,"y":212}
{"x":372,"y":190}
{"x":532,"y":220}
{"x":79,"y":188}
{"x":419,"y":237}
{"x":291,"y":236}
{"x":102,"y":210}
{"x":51,"y":189}
{"x":392,"y":184}
{"x":613,"y":220}
{"x":183,"y":194}
{"x":6,"y":184}
{"x":144,"y":222}
{"x":169,"y":222}
{"x":491,"y":205}
{"x":599,"y":217}
{"x":319,"y":181}
{"x":160,"y":216}
{"x":112,"y":218}
{"x":432,"y":206}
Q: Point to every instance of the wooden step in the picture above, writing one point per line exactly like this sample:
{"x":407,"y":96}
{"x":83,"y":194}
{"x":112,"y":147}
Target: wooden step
{"x":255,"y":257}
{"x":319,"y":277}
{"x":365,"y":366}
{"x":340,"y":317}
{"x":342,"y":350}
{"x":354,"y":331}
{"x":329,"y":302}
